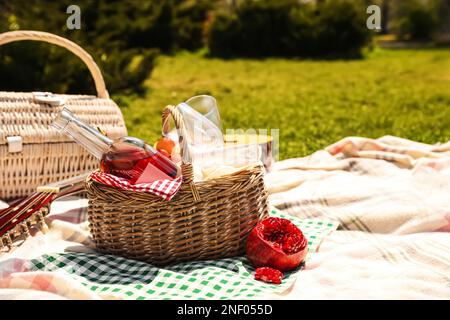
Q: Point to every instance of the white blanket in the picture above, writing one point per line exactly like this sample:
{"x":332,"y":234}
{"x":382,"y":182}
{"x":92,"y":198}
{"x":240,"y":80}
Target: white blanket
{"x":392,"y":199}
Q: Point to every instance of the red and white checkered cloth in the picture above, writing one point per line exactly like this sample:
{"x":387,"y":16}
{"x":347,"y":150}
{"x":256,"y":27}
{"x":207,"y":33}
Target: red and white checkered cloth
{"x":165,"y":189}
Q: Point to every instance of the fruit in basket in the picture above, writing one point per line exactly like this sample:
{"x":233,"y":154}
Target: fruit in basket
{"x":164,"y":153}
{"x":176,"y":155}
{"x":268,"y":275}
{"x":276,"y":243}
{"x":165,"y":144}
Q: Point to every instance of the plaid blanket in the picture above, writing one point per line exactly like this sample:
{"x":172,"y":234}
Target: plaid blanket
{"x":389,"y":197}
{"x":82,"y":273}
{"x":389,"y":185}
{"x":64,"y":264}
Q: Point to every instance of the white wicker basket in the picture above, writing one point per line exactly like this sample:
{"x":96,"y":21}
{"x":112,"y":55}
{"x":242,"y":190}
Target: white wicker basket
{"x":32,"y":153}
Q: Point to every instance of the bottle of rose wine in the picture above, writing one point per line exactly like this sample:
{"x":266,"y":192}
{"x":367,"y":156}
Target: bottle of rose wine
{"x":126,"y":157}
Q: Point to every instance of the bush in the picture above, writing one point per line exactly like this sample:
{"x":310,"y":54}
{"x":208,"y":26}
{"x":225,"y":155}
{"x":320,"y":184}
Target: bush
{"x":418,"y":22}
{"x":188,"y":23}
{"x":224,"y":36}
{"x":340,"y":29}
{"x":257,"y":28}
{"x":124,"y":38}
{"x":108,"y":37}
{"x":287,"y":28}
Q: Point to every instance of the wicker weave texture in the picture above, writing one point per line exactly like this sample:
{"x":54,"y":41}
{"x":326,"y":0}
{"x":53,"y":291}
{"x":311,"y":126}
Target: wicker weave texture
{"x":205,"y":220}
{"x":48,"y":156}
{"x":144,"y":227}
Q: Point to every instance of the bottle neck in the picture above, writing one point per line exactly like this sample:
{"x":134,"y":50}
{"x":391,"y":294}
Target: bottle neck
{"x":88,"y":137}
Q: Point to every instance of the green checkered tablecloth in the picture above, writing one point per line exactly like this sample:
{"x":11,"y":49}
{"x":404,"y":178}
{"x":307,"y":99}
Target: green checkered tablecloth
{"x":230,"y":278}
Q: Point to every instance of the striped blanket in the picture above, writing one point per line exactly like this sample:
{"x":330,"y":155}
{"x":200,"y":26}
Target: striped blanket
{"x":390,"y":197}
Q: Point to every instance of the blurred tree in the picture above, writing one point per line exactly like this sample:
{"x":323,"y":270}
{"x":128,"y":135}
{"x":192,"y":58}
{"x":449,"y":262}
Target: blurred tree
{"x":385,"y":16}
{"x":124,"y":37}
{"x":189,"y":21}
{"x":334,"y":28}
{"x":419,"y":19}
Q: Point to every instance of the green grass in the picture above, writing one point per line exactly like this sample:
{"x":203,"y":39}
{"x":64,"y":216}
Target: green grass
{"x":313,"y":103}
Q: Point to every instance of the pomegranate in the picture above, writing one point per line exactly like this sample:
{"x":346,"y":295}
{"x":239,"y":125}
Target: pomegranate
{"x":268,"y":275}
{"x":276,"y":243}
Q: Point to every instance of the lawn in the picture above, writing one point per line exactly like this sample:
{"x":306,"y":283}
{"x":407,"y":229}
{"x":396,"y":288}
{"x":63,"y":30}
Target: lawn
{"x":313,"y":103}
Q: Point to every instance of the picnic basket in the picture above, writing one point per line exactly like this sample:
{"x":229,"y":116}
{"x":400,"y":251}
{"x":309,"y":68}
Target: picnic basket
{"x":32,"y":153}
{"x":205,"y":220}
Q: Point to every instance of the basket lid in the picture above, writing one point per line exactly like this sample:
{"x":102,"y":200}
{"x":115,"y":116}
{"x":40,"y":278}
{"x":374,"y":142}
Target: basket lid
{"x":29,"y":115}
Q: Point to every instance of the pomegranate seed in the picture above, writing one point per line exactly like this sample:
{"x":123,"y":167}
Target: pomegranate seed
{"x":269,"y":275}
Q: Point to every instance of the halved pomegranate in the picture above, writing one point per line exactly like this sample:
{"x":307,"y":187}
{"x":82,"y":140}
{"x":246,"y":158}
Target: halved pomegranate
{"x":276,"y":243}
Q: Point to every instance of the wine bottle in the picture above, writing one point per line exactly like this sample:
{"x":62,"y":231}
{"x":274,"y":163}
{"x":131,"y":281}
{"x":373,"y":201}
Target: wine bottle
{"x":126,"y":157}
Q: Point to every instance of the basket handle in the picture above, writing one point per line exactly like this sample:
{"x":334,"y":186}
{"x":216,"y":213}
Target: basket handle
{"x":22,"y":35}
{"x":186,"y":166}
{"x":178,"y":119}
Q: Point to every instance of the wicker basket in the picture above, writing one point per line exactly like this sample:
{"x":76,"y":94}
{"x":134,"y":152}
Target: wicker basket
{"x":32,"y":153}
{"x":205,"y":220}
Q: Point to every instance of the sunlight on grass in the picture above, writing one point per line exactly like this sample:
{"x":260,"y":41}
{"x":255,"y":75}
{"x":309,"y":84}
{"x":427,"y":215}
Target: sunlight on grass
{"x":313,"y":103}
